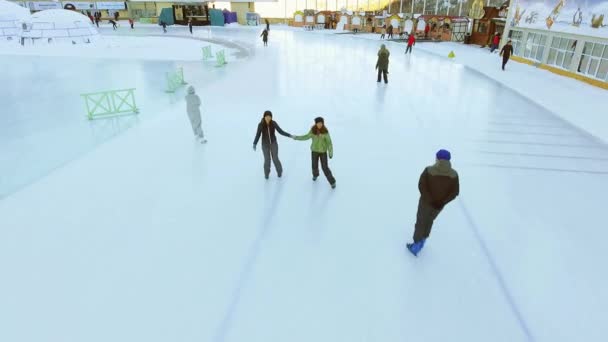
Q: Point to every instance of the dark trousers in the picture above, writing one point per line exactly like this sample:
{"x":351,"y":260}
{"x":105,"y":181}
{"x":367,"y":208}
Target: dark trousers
{"x":324,"y":165}
{"x":382,"y":36}
{"x":408,"y":49}
{"x":265,"y":42}
{"x":382,"y":72}
{"x":190,"y":27}
{"x":504,"y":61}
{"x":424,"y":220}
{"x":271,"y":152}
{"x":493,"y":47}
{"x":390,"y":36}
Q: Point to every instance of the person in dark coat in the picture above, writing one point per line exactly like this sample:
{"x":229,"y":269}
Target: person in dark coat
{"x":390,"y":31}
{"x":113,"y":24}
{"x":267,"y":25}
{"x":411,"y":41}
{"x":270,"y":147}
{"x":495,"y":42}
{"x":264,"y":36}
{"x":506,"y":53}
{"x":382,"y":63}
{"x":164,"y":25}
{"x":438,"y":186}
{"x":190,"y":25}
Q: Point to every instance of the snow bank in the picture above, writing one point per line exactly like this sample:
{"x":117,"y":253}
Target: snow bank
{"x":11,"y":11}
{"x":120,"y":47}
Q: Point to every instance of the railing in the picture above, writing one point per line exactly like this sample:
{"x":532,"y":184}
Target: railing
{"x":175,"y":79}
{"x":110,"y":103}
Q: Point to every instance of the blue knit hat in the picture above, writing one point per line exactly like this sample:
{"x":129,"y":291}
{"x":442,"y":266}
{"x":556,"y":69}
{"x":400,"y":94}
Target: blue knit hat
{"x":443,"y":155}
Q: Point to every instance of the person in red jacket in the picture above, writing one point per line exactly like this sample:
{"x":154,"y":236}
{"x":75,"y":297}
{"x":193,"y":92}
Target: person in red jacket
{"x":495,"y":42}
{"x":411,"y":40}
{"x":427,"y":28}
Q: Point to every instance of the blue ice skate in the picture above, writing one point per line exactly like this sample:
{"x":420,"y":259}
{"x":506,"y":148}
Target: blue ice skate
{"x":416,"y":247}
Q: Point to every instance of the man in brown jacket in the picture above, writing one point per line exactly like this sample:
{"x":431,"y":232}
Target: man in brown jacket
{"x":438,"y":186}
{"x":382,"y":63}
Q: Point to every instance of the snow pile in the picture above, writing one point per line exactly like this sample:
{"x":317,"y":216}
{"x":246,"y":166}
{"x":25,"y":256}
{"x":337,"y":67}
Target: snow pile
{"x":119,"y":47}
{"x":11,"y":16}
{"x":58,"y":25}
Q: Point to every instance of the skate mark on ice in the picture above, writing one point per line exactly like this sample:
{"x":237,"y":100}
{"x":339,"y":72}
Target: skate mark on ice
{"x":527,"y":124}
{"x":591,"y":172}
{"x":497,"y":273}
{"x":508,"y":142}
{"x":494,"y":131}
{"x":250,"y":261}
{"x":538,"y":155}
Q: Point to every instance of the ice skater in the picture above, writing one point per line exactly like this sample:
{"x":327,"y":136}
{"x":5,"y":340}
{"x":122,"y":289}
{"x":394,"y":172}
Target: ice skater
{"x":190,"y":25}
{"x":113,"y":24}
{"x":321,"y":148}
{"x":495,"y":42}
{"x":506,"y":52}
{"x":264,"y":36}
{"x":438,"y":186}
{"x":164,"y":25}
{"x":267,"y":25}
{"x":382,"y":63}
{"x":411,"y":41}
{"x":383,"y":31}
{"x":193,"y":104}
{"x":266,"y":129}
{"x":131,"y":22}
{"x":390,"y":31}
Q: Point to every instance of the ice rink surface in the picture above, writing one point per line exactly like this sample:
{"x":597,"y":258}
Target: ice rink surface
{"x":129,"y":230}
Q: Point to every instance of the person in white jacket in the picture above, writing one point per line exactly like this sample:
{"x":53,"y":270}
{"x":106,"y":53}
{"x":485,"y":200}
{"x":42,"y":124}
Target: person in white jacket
{"x":193,"y":104}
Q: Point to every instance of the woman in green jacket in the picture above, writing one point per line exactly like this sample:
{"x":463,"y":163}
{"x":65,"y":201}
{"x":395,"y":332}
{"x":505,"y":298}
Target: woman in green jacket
{"x":321,"y":147}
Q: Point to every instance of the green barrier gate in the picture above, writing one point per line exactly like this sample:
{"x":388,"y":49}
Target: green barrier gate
{"x":175,"y":80}
{"x":220,"y":58}
{"x":110,"y":103}
{"x":207,"y":53}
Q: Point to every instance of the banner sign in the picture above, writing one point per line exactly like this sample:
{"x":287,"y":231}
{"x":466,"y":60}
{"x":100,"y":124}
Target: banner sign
{"x":43,"y":5}
{"x":73,"y":5}
{"x":588,"y":18}
{"x":110,"y":5}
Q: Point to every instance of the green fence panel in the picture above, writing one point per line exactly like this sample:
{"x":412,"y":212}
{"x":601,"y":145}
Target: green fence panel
{"x":175,"y":79}
{"x":110,"y":103}
{"x":220,"y":57}
{"x":207,"y":53}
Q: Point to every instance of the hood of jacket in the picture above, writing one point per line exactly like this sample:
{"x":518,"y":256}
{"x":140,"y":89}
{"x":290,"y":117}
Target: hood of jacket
{"x":442,"y":168}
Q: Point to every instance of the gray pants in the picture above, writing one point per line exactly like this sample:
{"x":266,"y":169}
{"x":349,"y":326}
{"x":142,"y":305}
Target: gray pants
{"x":198,"y":131}
{"x":272,"y":151}
{"x":424,"y":220}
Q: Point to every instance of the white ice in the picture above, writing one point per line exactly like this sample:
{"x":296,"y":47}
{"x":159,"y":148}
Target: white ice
{"x":129,"y":230}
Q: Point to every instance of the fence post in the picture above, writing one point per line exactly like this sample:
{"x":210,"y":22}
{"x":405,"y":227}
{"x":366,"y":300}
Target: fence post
{"x":207,"y":53}
{"x":220,"y":58}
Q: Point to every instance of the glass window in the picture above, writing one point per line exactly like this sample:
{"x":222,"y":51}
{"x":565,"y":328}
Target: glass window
{"x":552,"y":56}
{"x":563,"y":52}
{"x":597,"y":50}
{"x":535,"y":46}
{"x":555,"y":42}
{"x":602,"y":71}
{"x":594,"y":60}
